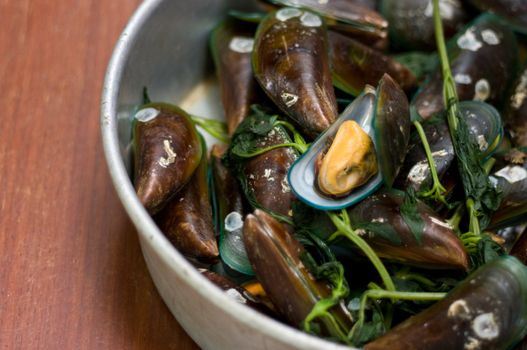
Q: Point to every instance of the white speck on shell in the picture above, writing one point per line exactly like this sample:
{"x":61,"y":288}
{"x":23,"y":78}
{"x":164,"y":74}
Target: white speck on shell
{"x":462,"y":79}
{"x":146,"y":114}
{"x":241,"y":44}
{"x":171,"y":155}
{"x":520,"y":94}
{"x":287,"y":13}
{"x":490,"y":37}
{"x":459,"y":309}
{"x":468,"y":41}
{"x":309,"y":19}
{"x":482,"y":143}
{"x":512,"y":173}
{"x":485,"y":326}
{"x":481,"y":90}
{"x":289,"y":99}
{"x":235,"y":295}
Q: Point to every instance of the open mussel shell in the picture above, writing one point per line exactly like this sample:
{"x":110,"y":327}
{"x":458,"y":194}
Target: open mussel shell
{"x":513,"y":11}
{"x":483,"y":61}
{"x":167,"y":150}
{"x":384,"y":116}
{"x":488,"y":310}
{"x":291,"y":63}
{"x":275,"y":256}
{"x":412,"y":26}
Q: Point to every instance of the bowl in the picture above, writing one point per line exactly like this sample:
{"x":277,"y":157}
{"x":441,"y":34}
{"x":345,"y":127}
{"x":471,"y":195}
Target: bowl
{"x":165,"y":48}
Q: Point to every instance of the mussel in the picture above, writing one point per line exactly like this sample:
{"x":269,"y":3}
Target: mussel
{"x":275,"y":257}
{"x":290,"y":61}
{"x":187,"y":219}
{"x":411,"y":25}
{"x":380,"y":220}
{"x":383,"y":116}
{"x":232,"y":45}
{"x":357,"y":19}
{"x":354,"y":65}
{"x":485,"y":126}
{"x":519,"y":250}
{"x":229,"y":212}
{"x":488,"y":310}
{"x":167,"y":150}
{"x":483,"y":60}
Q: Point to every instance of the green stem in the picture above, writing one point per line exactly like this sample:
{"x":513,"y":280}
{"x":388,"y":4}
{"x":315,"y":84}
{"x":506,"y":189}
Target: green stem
{"x":456,"y":218}
{"x":415,"y":277}
{"x":437,"y":190}
{"x":345,"y":230}
{"x":267,"y":149}
{"x":213,"y":127}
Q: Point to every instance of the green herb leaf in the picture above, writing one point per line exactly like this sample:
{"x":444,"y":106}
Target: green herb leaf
{"x":411,"y":215}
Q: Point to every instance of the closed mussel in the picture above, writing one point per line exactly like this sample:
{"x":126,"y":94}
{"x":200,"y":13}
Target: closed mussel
{"x":485,"y":311}
{"x":483,"y":61}
{"x":290,"y":61}
{"x":275,"y":257}
{"x":411,"y":24}
{"x":232,"y":44}
{"x":167,"y":150}
{"x":363,"y":149}
{"x":187,"y":218}
{"x":387,"y":225}
{"x":515,"y":116}
{"x":354,"y":65}
{"x":513,"y":11}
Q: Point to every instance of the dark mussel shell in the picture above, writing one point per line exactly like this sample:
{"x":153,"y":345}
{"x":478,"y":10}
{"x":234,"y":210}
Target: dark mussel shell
{"x":356,"y":19}
{"x":483,"y":61}
{"x":227,"y":191}
{"x":488,"y":310}
{"x":232,"y":45}
{"x":515,"y":116}
{"x":187,"y":219}
{"x":512,"y":182}
{"x":411,"y":23}
{"x":266,"y":174}
{"x":513,"y":11}
{"x":354,"y":65}
{"x":275,"y":257}
{"x":484,"y":124}
{"x":229,"y":211}
{"x":167,"y":150}
{"x":380,"y":221}
{"x":290,"y":61}
{"x":238,"y":293}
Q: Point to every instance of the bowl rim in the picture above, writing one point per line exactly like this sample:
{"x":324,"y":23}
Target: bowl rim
{"x":148,"y":230}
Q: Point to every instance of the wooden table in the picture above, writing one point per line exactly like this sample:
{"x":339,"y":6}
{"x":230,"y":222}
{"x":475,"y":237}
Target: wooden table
{"x":71,"y":272}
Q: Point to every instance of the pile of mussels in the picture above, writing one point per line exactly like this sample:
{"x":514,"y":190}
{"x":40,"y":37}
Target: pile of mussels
{"x":355,"y":198}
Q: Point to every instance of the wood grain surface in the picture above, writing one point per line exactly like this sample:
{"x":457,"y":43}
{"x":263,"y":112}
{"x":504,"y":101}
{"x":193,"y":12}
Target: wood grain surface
{"x":71,"y":271}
